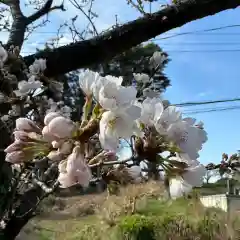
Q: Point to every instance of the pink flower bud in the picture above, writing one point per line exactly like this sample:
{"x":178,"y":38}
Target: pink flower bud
{"x":48,"y":136}
{"x":62,"y":127}
{"x":50,"y":116}
{"x":18,"y":145}
{"x":15,"y":157}
{"x":21,"y":135}
{"x":25,"y":124}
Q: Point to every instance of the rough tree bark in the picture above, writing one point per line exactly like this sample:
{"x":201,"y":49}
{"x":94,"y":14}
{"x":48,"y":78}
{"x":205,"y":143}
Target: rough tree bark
{"x":23,"y":213}
{"x":104,"y":47}
{"x":19,"y":23}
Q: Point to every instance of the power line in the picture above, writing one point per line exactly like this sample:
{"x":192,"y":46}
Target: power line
{"x":201,"y":43}
{"x":208,"y":108}
{"x":204,"y":51}
{"x":189,"y":104}
{"x":200,"y":34}
{"x":212,"y":110}
{"x":200,"y":31}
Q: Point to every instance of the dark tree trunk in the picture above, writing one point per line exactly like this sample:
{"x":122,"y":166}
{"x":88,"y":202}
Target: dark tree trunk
{"x":23,"y":213}
{"x":4,"y":142}
{"x":153,"y":171}
{"x":18,"y":29}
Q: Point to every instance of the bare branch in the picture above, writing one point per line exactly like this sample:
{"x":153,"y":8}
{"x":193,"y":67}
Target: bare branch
{"x":88,"y":16}
{"x":100,"y":163}
{"x":20,"y":22}
{"x":120,"y":39}
{"x":138,"y":6}
{"x":14,"y":6}
{"x":47,"y":8}
{"x":44,"y":187}
{"x":25,"y":211}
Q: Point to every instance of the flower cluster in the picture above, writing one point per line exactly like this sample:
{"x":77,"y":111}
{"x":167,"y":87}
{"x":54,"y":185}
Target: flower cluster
{"x":112,"y":112}
{"x":29,"y":87}
{"x":123,"y":116}
{"x":28,"y":142}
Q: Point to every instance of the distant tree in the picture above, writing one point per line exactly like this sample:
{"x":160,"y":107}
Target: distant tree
{"x":210,"y":174}
{"x":136,"y":60}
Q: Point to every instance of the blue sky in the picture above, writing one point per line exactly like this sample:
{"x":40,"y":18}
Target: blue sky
{"x":194,"y":76}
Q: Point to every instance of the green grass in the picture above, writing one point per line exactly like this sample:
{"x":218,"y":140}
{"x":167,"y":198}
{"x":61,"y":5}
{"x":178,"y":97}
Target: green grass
{"x":157,"y":220}
{"x":152,"y":219}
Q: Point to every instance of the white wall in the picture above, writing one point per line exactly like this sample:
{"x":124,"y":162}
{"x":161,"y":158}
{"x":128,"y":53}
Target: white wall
{"x":228,"y":203}
{"x":218,"y":201}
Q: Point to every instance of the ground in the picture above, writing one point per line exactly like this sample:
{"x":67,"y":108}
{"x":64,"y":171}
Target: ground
{"x":101,"y":217}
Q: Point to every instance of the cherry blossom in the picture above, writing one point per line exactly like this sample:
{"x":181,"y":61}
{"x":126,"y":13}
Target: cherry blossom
{"x":169,"y":116}
{"x":192,"y":177}
{"x":61,"y":127}
{"x":157,"y":59}
{"x":24,"y":87}
{"x":101,"y":82}
{"x":189,"y":138}
{"x":112,"y":96}
{"x":3,"y":56}
{"x":115,"y":125}
{"x":152,"y":110}
{"x":118,"y":113}
{"x":15,"y":157}
{"x":50,"y":116}
{"x":86,"y":81}
{"x":38,"y":66}
{"x":27,"y":125}
{"x":149,"y":93}
{"x":74,"y":170}
{"x":141,"y":77}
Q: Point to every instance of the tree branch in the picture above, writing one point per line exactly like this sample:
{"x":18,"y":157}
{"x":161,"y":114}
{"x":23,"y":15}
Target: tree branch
{"x":14,"y":7}
{"x":100,"y":163}
{"x":20,"y":22}
{"x":28,"y":203}
{"x":104,"y":47}
{"x":18,"y":27}
{"x":24,"y":212}
{"x":47,"y":8}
